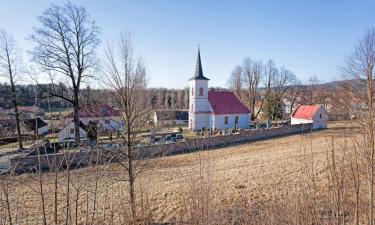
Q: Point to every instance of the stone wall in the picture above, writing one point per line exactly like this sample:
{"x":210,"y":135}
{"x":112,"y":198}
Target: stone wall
{"x":85,"y":158}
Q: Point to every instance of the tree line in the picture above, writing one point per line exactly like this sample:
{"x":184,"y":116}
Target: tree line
{"x":159,"y":98}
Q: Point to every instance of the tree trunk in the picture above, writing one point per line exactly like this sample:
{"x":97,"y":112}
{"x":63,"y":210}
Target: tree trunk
{"x":372,"y":150}
{"x":76,"y":117}
{"x":15,"y":105}
{"x":131,"y":183}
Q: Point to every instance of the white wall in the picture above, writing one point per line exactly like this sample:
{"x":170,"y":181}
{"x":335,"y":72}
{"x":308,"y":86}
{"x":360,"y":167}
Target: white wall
{"x":65,"y":133}
{"x":320,"y":119}
{"x":42,"y":130}
{"x":299,"y":121}
{"x":243,"y":121}
{"x":200,"y":120}
{"x":199,"y":103}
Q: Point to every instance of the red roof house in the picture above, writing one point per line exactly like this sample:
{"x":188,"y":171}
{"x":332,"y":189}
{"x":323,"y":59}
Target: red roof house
{"x":314,"y":114}
{"x":96,"y":111}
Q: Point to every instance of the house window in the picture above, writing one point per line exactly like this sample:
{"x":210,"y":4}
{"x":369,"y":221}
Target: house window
{"x":236,"y":120}
{"x":192,"y":91}
{"x":200,"y":91}
{"x":226,"y":120}
{"x":320,"y":115}
{"x":71,"y":130}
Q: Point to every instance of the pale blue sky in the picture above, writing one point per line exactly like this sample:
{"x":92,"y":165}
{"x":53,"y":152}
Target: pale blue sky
{"x":307,"y":37}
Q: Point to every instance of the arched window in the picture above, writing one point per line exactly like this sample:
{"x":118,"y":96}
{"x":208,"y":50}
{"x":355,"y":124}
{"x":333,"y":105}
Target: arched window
{"x":200,"y":91}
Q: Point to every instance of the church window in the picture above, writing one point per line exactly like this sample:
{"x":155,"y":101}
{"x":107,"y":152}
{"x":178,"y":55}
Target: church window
{"x":226,"y":120}
{"x":200,"y":91}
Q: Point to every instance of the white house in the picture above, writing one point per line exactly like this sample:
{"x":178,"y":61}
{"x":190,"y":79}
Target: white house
{"x":106,"y":118}
{"x":69,"y":132}
{"x":314,"y":114}
{"x":213,"y":109}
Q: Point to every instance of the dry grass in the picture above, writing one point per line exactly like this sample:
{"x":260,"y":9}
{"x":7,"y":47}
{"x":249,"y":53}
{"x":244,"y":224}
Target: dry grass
{"x":263,"y":172}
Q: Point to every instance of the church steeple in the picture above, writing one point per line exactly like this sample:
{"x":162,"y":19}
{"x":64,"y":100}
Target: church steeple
{"x":198,"y":69}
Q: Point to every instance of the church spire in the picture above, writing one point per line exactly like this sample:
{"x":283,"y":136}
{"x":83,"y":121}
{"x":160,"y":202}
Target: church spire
{"x":198,"y":69}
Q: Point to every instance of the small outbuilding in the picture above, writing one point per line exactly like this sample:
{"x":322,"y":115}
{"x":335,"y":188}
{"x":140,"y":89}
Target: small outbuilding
{"x":314,"y":114}
{"x":104,"y":117}
{"x":36,"y":126}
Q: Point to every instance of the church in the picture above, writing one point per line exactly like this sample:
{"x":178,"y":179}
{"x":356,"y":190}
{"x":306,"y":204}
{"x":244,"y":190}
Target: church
{"x":214,"y":109}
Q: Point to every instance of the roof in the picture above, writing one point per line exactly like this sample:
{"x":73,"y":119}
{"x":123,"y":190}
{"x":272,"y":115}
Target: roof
{"x":198,"y":69}
{"x":305,"y":111}
{"x":32,"y":122}
{"x":225,"y":102}
{"x":172,"y":115}
{"x":96,"y":111}
{"x":29,"y":108}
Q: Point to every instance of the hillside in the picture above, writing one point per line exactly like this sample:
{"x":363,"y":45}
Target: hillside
{"x":262,"y":175}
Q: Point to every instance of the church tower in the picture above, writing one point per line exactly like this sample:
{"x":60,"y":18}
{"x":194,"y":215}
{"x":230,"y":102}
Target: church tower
{"x":199,"y":107}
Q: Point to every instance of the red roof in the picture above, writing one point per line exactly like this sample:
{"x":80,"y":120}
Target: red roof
{"x":224,"y":102}
{"x":96,"y":111}
{"x":305,"y":111}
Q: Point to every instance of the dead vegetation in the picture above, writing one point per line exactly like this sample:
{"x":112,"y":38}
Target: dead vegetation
{"x":301,"y":179}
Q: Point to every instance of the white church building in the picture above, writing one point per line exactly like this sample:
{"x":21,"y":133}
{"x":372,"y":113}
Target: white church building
{"x":214,"y":109}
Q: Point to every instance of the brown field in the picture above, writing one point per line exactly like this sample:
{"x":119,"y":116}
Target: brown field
{"x":261,"y":172}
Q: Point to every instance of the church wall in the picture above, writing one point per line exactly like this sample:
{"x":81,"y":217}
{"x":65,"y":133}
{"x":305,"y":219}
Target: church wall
{"x":201,"y":120}
{"x":243,"y":121}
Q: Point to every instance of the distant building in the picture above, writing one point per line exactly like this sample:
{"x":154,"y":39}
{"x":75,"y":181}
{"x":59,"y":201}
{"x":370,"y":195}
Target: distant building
{"x":105,"y":118}
{"x":7,"y":124}
{"x":171,"y":117}
{"x":34,"y":126}
{"x":258,"y":107}
{"x":214,"y":109}
{"x":314,"y":114}
{"x":29,"y":112}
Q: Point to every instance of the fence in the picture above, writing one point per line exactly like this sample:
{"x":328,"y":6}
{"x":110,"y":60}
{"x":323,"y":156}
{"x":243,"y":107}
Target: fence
{"x":87,"y":157}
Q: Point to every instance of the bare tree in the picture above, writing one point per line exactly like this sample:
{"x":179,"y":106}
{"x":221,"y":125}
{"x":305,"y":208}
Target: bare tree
{"x":244,"y":81}
{"x":65,"y":47}
{"x":126,"y":76}
{"x":252,"y":74}
{"x":11,"y":70}
{"x":293,"y":93}
{"x":360,"y":67}
{"x":313,"y":81}
{"x":278,"y":81}
{"x":235,"y":81}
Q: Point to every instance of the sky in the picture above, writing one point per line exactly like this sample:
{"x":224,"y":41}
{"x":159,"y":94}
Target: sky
{"x":310,"y":38}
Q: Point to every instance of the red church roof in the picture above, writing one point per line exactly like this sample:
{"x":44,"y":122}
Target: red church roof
{"x":305,"y":111}
{"x":225,"y":102}
{"x":96,"y":111}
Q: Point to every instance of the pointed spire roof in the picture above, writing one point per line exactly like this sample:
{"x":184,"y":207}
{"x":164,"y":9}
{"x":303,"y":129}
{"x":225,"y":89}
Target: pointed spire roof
{"x":198,"y":69}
